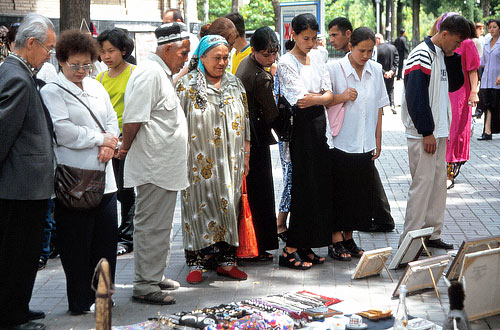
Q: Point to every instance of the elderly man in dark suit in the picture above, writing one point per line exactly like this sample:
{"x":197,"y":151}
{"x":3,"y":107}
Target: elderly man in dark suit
{"x":26,"y":171}
{"x":388,"y":56}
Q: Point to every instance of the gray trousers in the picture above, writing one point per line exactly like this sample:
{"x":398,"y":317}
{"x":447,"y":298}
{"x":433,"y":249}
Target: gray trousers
{"x":153,"y":218}
{"x":426,"y":201}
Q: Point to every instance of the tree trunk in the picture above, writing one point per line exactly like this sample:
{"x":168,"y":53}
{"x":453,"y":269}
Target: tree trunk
{"x":485,"y":6}
{"x":393,"y":26}
{"x":399,"y":17}
{"x":276,"y":8}
{"x":234,"y":6}
{"x":416,"y":22}
{"x":388,"y":26}
{"x":72,"y":14}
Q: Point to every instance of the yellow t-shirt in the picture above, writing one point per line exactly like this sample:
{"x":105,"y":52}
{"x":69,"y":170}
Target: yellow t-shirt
{"x":116,"y":89}
{"x":239,"y":56}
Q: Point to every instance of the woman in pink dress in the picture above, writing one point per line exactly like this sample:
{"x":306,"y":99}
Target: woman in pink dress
{"x":462,"y":101}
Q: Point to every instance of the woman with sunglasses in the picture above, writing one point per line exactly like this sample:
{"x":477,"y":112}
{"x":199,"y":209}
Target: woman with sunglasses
{"x":83,"y":237}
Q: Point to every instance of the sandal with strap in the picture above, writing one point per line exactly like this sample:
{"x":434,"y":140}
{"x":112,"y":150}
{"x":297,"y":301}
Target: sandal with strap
{"x":292,"y":260}
{"x":306,"y":253}
{"x":353,"y":249}
{"x":283,"y":236}
{"x":338,"y":252}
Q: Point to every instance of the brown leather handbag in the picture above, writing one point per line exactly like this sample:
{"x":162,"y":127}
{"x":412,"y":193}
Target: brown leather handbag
{"x":77,"y":188}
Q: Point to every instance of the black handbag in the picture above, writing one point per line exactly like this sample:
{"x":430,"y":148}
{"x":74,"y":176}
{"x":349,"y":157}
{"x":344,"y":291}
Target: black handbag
{"x":283,"y":125}
{"x":77,"y":188}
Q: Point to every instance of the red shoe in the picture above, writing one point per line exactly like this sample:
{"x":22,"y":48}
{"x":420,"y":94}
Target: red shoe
{"x":194,"y":277}
{"x":233,"y":273}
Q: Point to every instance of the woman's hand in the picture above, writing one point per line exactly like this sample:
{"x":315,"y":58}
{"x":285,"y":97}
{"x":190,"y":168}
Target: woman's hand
{"x":473,"y":99}
{"x":376,"y":153}
{"x":497,"y":81}
{"x":246,"y":164}
{"x":307,"y":101}
{"x":110,"y":141}
{"x":350,"y":94}
{"x":105,"y":154}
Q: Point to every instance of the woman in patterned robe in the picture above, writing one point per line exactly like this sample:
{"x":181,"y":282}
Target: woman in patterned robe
{"x":216,"y":110}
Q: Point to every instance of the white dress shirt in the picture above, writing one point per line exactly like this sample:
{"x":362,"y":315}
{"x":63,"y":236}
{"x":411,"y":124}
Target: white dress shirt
{"x":158,"y":154}
{"x":357,"y":134}
{"x":78,"y":135}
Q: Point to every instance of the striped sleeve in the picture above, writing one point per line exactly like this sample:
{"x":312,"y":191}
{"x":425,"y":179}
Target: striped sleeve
{"x":416,"y":79}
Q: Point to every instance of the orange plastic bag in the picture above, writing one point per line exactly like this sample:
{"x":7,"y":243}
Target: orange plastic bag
{"x":248,"y":241}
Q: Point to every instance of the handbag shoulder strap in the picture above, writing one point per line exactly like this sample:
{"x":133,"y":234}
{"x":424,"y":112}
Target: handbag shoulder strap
{"x":343,"y":72}
{"x":90,"y":111}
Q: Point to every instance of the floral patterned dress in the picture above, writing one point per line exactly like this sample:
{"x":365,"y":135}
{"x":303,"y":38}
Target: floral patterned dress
{"x":217,"y":133}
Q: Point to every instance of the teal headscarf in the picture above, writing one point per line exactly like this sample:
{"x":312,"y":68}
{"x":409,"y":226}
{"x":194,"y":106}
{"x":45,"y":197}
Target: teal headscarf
{"x":205,"y":44}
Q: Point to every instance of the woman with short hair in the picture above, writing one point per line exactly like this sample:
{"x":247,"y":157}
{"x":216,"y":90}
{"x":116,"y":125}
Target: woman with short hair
{"x":83,"y":237}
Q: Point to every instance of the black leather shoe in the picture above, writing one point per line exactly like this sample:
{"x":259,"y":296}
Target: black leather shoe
{"x":485,"y":137}
{"x":439,"y":244}
{"x":42,"y":262}
{"x":24,"y":326}
{"x":35,"y":315}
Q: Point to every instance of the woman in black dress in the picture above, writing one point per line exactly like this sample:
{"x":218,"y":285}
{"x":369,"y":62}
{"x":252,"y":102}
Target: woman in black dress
{"x":304,"y":82}
{"x":263,"y":111}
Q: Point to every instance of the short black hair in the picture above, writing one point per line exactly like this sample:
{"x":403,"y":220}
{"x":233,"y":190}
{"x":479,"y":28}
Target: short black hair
{"x":177,"y":14}
{"x":303,"y":22}
{"x":238,"y":22}
{"x":74,"y":42}
{"x":119,"y":39}
{"x":401,"y":31}
{"x":457,"y":24}
{"x":362,"y":34}
{"x":342,"y":23}
{"x":264,"y":38}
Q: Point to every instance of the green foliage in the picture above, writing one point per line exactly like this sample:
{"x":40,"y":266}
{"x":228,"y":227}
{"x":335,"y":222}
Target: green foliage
{"x":258,"y":13}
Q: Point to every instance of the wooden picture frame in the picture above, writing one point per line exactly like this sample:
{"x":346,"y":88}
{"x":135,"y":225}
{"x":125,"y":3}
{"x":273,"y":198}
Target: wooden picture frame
{"x":481,"y":281}
{"x":372,"y":263}
{"x":412,"y":246}
{"x":423,"y":274}
{"x":469,"y":246}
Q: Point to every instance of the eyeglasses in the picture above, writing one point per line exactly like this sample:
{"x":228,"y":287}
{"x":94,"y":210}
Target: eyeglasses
{"x":49,"y":51}
{"x":77,"y":67}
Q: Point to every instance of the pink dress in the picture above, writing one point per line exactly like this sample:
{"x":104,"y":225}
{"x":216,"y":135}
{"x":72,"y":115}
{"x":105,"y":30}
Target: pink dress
{"x":457,"y":147}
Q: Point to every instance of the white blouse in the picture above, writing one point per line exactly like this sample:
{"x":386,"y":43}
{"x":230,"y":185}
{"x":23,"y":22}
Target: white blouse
{"x":78,"y":135}
{"x":357,"y":134}
{"x":296,"y":79}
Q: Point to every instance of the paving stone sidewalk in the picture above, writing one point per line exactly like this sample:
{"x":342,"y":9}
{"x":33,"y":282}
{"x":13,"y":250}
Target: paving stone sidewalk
{"x":472,"y":211}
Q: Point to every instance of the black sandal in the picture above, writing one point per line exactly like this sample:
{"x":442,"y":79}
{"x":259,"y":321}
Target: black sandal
{"x":353,"y":249}
{"x":305,"y":255}
{"x":283,"y":235}
{"x":337,"y":251}
{"x":290,"y":259}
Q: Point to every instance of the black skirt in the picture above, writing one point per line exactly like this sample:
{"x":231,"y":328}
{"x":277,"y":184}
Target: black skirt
{"x":310,"y":219}
{"x":260,"y":189}
{"x":359,"y":199}
{"x":490,"y":98}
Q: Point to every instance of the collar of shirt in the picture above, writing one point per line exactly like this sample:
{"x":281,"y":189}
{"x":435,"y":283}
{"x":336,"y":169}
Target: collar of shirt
{"x":18,"y":57}
{"x":158,"y":59}
{"x":349,"y":69}
{"x":86,"y":91}
{"x":487,"y":45}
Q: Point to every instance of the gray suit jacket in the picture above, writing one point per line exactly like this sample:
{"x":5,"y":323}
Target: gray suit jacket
{"x":26,"y":155}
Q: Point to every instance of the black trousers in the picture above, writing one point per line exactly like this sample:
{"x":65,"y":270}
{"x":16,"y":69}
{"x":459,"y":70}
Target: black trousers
{"x":83,"y":238}
{"x":126,"y":196}
{"x":260,"y":190}
{"x":389,"y":87}
{"x":21,"y":227}
{"x":401,"y":64}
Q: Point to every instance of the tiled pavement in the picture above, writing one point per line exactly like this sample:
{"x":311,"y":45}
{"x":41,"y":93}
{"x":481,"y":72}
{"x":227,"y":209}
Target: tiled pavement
{"x":472,"y":211}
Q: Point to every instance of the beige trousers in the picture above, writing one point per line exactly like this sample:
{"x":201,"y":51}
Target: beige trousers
{"x":426,"y":200}
{"x":153,"y":218}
